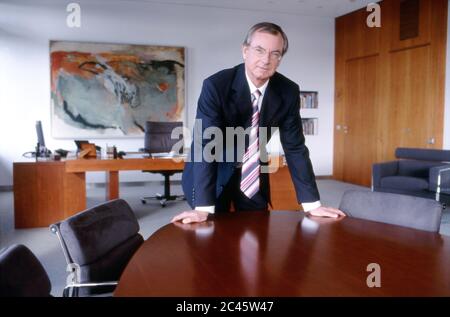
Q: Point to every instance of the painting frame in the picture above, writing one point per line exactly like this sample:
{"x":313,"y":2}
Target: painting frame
{"x":108,"y":90}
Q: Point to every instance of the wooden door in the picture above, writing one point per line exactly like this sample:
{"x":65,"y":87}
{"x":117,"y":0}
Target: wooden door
{"x":411,"y":121}
{"x":389,"y":83}
{"x":358,"y":130}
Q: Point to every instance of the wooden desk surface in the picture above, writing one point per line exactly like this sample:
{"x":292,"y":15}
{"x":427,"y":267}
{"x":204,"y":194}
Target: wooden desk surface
{"x":287,"y":254}
{"x":86,"y":165}
{"x":126,"y":164}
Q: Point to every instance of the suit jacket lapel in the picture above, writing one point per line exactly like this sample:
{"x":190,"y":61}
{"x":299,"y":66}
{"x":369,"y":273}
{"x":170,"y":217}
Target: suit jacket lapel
{"x":240,"y":98}
{"x":271,"y":103}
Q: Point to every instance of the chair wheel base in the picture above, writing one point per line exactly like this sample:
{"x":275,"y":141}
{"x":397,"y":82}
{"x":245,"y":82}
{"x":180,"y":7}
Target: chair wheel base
{"x":163,"y":199}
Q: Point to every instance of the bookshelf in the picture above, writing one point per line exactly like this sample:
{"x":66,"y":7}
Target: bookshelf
{"x":310,"y":126}
{"x":309,"y":102}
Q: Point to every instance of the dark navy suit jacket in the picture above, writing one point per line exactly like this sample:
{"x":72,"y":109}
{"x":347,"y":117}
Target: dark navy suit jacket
{"x":225,"y":102}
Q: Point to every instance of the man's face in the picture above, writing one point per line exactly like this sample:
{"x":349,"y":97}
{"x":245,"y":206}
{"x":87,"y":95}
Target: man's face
{"x":262,"y":56}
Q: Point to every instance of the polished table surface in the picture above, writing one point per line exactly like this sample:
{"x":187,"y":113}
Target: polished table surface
{"x":285,"y":253}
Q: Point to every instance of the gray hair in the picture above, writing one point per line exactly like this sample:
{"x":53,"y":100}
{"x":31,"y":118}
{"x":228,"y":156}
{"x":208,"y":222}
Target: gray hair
{"x":270,"y":28}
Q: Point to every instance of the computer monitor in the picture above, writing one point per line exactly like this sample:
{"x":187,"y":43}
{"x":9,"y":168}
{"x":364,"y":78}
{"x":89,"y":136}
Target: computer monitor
{"x":41,"y":149}
{"x":40,"y":134}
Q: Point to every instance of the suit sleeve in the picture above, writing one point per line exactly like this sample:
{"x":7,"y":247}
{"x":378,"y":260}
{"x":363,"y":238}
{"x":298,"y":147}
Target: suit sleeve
{"x":297,"y":154}
{"x":208,"y":122}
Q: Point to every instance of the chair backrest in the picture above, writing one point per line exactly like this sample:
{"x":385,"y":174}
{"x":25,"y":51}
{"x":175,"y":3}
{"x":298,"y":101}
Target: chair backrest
{"x":100,"y":240}
{"x":423,"y":154}
{"x":416,"y":168}
{"x":158,"y":136}
{"x":22,"y":274}
{"x":407,"y":211}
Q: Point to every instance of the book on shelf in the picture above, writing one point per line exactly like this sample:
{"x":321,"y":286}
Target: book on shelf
{"x":309,"y":99}
{"x":310,"y":126}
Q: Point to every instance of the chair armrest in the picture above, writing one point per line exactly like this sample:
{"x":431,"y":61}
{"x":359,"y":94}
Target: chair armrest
{"x":440,"y":179}
{"x":380,"y":170}
{"x":71,"y":289}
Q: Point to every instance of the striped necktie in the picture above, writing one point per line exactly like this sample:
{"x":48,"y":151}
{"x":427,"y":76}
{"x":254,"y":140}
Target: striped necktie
{"x":250,"y":163}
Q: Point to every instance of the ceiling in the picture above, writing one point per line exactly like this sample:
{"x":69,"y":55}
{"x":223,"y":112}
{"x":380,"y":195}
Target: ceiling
{"x":321,"y":8}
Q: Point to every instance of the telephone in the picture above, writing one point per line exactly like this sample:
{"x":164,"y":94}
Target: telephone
{"x":61,"y":152}
{"x":42,"y":151}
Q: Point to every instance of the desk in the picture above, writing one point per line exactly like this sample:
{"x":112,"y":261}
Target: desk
{"x":287,"y":254}
{"x":47,"y":192}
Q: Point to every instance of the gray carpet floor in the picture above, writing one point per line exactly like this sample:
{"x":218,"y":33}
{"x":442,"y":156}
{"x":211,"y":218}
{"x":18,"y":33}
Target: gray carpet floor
{"x":151,"y":217}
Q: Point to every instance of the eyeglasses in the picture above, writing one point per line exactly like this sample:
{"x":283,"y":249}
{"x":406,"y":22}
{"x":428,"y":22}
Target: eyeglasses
{"x":261,"y":52}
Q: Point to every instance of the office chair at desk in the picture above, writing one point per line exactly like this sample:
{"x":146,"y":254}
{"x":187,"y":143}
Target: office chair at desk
{"x":158,"y":142}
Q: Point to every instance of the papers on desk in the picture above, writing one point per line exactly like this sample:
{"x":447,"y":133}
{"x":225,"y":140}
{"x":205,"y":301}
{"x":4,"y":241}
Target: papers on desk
{"x":162,"y":154}
{"x":155,"y":155}
{"x":129,"y":155}
{"x":167,"y":155}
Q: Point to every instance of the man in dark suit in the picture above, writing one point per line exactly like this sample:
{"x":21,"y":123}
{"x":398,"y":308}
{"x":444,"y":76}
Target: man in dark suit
{"x":250,"y":96}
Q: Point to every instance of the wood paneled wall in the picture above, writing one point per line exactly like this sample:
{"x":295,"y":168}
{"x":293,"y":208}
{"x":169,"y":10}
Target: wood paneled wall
{"x":389,"y":83}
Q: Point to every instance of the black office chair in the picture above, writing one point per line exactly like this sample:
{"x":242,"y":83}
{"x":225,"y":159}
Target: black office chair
{"x":22,"y":274}
{"x":401,"y":210}
{"x":97,"y":244}
{"x":158,"y":141}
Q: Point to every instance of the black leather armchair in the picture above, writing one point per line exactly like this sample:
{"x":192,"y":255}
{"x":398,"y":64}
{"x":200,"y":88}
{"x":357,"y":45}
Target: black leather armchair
{"x":22,"y":274}
{"x":159,"y":142}
{"x":418,"y":172}
{"x":97,"y":244}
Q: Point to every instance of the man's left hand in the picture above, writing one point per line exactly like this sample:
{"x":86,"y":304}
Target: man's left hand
{"x":323,"y":211}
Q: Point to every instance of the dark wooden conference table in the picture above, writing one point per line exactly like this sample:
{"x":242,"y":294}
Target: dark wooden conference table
{"x":285,"y":253}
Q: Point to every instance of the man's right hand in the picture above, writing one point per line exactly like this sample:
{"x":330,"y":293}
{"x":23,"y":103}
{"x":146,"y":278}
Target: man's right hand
{"x":191,"y":216}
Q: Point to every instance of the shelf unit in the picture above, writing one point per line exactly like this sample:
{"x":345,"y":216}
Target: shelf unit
{"x":310,"y":126}
{"x":309,"y":100}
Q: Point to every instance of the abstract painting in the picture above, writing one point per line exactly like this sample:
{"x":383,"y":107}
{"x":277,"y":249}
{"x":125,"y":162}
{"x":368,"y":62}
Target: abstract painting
{"x":111,"y":90}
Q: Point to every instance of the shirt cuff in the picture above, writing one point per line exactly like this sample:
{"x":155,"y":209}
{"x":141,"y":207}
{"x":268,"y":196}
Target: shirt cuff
{"x":209,"y":209}
{"x":310,"y":206}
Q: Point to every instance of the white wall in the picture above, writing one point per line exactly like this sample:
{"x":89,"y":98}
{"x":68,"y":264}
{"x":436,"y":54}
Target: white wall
{"x":212,"y":38}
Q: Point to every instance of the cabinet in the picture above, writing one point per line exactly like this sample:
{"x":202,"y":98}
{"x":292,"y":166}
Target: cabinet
{"x":44,"y":193}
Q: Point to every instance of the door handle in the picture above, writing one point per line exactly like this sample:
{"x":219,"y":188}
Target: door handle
{"x":344,"y":128}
